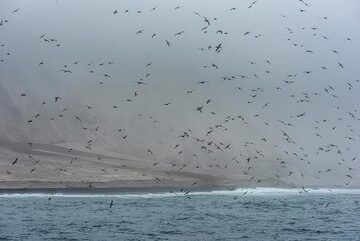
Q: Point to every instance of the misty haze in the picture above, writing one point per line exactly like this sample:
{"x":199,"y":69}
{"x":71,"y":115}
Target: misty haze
{"x":179,"y":97}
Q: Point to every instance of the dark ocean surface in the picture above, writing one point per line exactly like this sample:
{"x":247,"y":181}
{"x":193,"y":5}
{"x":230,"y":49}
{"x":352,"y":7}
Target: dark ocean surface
{"x":262,"y":214}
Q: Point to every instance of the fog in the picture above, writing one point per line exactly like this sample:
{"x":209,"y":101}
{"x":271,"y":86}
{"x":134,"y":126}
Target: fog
{"x":277,"y":60}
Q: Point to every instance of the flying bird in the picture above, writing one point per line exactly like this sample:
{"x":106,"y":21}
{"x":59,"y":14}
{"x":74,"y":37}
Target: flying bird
{"x":15,"y":161}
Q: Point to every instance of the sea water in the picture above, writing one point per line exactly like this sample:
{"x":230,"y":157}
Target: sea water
{"x":254,"y":214}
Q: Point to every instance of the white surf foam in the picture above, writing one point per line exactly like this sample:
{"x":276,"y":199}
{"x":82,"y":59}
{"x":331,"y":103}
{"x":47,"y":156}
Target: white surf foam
{"x":238,"y":192}
{"x":284,"y":191}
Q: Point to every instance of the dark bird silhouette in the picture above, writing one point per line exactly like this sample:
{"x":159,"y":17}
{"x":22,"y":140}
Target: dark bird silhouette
{"x":202,"y":82}
{"x":252,"y":4}
{"x":140,"y":82}
{"x":200,"y":109}
{"x":218,"y":48}
{"x":15,"y":161}
{"x":66,"y":71}
{"x":206,"y":21}
{"x":304,"y":3}
{"x":301,"y":115}
{"x":179,"y":33}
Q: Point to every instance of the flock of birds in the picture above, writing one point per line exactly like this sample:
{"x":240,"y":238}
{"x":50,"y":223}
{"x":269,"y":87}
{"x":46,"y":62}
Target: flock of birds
{"x":210,"y":143}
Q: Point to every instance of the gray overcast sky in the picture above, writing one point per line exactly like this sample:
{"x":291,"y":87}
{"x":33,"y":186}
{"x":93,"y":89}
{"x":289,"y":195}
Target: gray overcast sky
{"x":293,"y":37}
